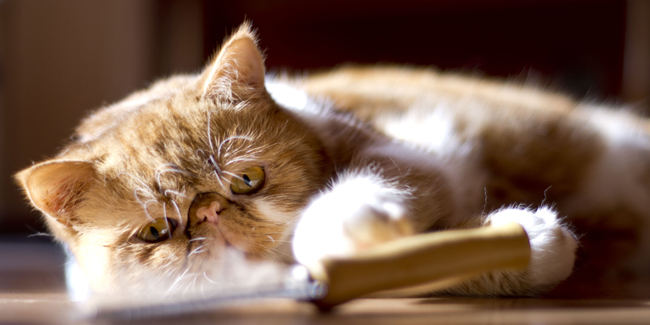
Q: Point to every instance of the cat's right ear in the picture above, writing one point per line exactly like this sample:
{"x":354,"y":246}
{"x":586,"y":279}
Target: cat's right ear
{"x":56,"y":187}
{"x":237,"y":71}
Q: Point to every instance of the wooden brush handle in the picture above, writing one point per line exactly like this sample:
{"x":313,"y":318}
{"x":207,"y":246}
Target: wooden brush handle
{"x":438,"y":259}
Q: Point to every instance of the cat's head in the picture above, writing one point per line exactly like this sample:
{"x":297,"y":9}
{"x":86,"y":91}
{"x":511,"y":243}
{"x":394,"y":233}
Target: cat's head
{"x":160,"y":184}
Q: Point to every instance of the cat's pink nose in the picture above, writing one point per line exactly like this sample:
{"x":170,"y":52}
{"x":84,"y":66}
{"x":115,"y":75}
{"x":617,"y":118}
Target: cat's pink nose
{"x":209,"y":213}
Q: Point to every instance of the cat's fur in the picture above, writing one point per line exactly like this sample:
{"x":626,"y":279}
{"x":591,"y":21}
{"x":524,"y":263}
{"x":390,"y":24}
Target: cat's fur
{"x":353,"y":157}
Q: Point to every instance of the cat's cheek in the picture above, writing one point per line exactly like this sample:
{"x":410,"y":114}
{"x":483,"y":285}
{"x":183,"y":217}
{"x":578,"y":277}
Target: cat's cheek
{"x":272,"y":212}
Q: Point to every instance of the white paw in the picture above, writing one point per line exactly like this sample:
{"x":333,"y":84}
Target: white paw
{"x":354,"y":215}
{"x":552,"y":245}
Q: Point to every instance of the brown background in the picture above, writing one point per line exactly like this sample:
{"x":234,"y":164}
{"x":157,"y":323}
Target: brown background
{"x":61,"y":59}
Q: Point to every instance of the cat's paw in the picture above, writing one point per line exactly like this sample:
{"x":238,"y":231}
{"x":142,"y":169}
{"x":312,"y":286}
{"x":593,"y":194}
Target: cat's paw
{"x":553,"y":246}
{"x":356,"y":214}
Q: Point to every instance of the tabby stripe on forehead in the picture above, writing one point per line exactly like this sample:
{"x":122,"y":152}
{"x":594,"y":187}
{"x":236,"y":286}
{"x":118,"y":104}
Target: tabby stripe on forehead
{"x":185,"y":130}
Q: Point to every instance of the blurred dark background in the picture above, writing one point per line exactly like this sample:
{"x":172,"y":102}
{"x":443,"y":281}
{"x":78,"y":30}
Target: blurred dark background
{"x":61,"y":59}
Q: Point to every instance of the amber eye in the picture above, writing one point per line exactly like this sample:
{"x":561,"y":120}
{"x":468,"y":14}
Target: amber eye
{"x":157,"y":230}
{"x":251,"y":180}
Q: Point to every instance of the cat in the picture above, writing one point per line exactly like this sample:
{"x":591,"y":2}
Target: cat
{"x":163,"y":183}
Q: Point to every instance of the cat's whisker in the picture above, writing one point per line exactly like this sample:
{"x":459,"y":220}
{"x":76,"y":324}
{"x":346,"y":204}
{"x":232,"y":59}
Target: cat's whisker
{"x":171,"y":261}
{"x":191,"y":285}
{"x":158,"y":180}
{"x":210,"y":130}
{"x":172,"y":168}
{"x":202,"y":292}
{"x":208,"y":278}
{"x":160,"y":172}
{"x":177,"y":282}
{"x":178,"y":211}
{"x":144,"y":188}
{"x":179,"y":194}
{"x":277,"y":252}
{"x":217,"y":170}
{"x":197,"y":239}
{"x":226,"y":180}
{"x":234,"y":175}
{"x":271,"y":254}
{"x":197,"y":250}
{"x":145,"y":205}
{"x":164,"y":210}
{"x":214,"y":164}
{"x":230,"y":144}
{"x":219,"y":179}
{"x":40,"y":234}
{"x":240,"y":159}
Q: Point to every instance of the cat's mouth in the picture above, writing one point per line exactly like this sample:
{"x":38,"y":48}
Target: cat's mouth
{"x":211,"y":241}
{"x":226,"y":242}
{"x":227,"y":225}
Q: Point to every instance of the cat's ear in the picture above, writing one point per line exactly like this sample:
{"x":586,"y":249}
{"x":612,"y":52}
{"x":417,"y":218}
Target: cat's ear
{"x":56,"y":187}
{"x":237,"y":71}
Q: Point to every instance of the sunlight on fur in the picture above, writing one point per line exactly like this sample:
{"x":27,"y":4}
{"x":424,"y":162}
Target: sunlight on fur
{"x":223,"y":179}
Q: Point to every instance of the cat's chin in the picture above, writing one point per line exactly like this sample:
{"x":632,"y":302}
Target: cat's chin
{"x":225,"y":268}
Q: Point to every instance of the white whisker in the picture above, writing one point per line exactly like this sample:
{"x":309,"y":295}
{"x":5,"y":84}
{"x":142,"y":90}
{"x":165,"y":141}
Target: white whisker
{"x":178,"y":211}
{"x":175,"y":193}
{"x":214,"y":164}
{"x":144,"y":204}
{"x":226,"y":180}
{"x":209,"y":280}
{"x":176,"y":282}
{"x":134,"y":178}
{"x":39,"y":234}
{"x":197,"y":250}
{"x":240,"y":159}
{"x":217,"y":170}
{"x":230,"y":139}
{"x":210,"y":131}
{"x":235,"y":176}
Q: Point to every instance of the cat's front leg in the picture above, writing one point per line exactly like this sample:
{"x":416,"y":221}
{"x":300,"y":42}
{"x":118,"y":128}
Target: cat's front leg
{"x":553,"y":249}
{"x":359,"y":211}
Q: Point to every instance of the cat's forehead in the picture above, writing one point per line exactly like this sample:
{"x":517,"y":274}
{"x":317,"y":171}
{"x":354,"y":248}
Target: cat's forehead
{"x":175,"y":124}
{"x":177,"y":141}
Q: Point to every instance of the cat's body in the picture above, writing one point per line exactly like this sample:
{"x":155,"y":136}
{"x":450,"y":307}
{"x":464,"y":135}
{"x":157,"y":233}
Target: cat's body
{"x":336,"y":162}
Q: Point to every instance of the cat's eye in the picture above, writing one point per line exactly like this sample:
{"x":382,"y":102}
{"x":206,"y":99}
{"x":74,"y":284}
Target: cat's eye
{"x":157,"y":230}
{"x":248,"y":182}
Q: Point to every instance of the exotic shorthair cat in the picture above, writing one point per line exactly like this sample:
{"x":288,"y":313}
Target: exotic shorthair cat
{"x":163,"y":183}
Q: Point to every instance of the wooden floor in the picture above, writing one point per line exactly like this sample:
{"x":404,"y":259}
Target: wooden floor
{"x":32,"y":291}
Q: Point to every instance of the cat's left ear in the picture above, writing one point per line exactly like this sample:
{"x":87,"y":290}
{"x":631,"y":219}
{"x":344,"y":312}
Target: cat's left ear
{"x":237,"y":72}
{"x":57,"y":187}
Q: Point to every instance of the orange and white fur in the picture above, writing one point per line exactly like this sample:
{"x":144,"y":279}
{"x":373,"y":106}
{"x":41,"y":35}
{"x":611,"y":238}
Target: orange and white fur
{"x":159,"y":185}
